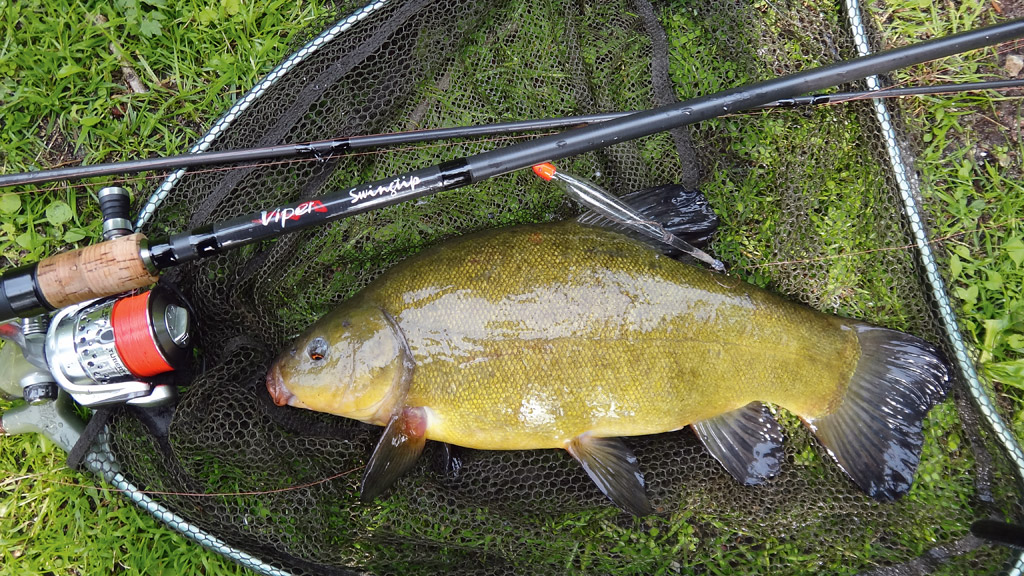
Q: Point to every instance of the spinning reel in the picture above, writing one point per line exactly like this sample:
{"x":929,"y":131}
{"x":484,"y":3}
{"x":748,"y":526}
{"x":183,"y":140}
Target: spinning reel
{"x":107,"y":350}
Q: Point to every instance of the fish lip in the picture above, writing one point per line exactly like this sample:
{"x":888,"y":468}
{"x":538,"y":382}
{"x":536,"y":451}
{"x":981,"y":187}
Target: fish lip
{"x":279,"y":393}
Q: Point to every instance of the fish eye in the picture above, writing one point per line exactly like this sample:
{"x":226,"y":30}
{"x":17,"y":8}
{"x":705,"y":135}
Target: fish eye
{"x":317,"y":349}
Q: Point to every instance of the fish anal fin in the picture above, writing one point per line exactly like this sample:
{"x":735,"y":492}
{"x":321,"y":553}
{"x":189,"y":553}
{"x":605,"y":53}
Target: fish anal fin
{"x":396,"y":452}
{"x":875,"y":431}
{"x":747,"y":441}
{"x":613,"y":467}
{"x":449,"y":460}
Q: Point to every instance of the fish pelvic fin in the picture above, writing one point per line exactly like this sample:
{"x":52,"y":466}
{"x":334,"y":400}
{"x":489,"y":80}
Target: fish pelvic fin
{"x":875,"y":432}
{"x":999,"y":532}
{"x":684,"y":213}
{"x":747,"y":441}
{"x":396,"y":452}
{"x":613,"y":467}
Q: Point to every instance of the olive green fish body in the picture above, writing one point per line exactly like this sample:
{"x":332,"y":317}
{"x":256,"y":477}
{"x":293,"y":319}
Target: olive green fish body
{"x":569,"y":336}
{"x":526,"y":338}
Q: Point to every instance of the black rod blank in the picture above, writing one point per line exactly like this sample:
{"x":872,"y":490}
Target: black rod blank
{"x":326,"y":148}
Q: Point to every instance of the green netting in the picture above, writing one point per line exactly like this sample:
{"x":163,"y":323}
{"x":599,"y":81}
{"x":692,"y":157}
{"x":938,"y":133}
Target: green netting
{"x":807,"y":209}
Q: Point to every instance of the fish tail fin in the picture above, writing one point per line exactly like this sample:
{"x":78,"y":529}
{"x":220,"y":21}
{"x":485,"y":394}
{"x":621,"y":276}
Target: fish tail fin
{"x":875,"y":432}
{"x":684,"y":213}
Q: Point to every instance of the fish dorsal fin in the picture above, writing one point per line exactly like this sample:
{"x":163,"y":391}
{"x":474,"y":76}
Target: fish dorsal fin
{"x":613,"y":467}
{"x":396,"y":452}
{"x":684,"y":213}
{"x":747,"y":441}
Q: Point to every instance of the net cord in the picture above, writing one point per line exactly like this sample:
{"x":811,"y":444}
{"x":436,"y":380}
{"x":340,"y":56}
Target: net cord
{"x":101,"y":461}
{"x":224,"y":122}
{"x":934,"y":278}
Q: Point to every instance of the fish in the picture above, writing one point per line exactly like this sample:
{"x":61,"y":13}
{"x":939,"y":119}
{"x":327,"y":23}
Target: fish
{"x":573,"y":336}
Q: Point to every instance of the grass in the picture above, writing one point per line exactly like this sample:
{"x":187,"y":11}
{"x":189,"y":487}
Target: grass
{"x":971,"y":166}
{"x":63,"y":101}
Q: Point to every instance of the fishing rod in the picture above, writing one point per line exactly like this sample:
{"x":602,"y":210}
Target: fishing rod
{"x":895,"y":92}
{"x":329,"y":148}
{"x":132,"y":261}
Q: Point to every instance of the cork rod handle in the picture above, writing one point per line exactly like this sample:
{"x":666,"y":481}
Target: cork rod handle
{"x":95,"y":271}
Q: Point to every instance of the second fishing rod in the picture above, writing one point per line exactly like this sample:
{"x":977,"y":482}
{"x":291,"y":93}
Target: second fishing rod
{"x":133,"y":261}
{"x":324,"y":149}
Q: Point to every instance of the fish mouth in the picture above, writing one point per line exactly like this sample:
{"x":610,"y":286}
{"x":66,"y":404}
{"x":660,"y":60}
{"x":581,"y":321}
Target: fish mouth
{"x":279,"y":393}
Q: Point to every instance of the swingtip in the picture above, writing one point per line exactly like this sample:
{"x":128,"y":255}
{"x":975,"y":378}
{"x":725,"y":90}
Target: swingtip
{"x":546,"y":170}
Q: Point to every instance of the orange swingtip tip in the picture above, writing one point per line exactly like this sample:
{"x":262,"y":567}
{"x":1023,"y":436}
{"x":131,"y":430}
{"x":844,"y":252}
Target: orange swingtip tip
{"x":546,"y":170}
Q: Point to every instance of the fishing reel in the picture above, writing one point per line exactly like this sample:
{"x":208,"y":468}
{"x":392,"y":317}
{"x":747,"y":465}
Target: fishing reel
{"x":108,"y":351}
{"x":103,"y":351}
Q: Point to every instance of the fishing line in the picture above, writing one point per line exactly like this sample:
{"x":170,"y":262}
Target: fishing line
{"x":934,"y":242}
{"x":199,"y":494}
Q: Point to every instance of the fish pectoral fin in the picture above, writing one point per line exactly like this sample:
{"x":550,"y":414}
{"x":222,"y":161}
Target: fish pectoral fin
{"x":747,"y":441}
{"x":396,"y":452}
{"x":613,"y":467}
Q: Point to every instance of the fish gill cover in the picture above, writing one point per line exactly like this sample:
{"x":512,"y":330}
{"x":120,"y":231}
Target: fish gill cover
{"x":807,"y":209}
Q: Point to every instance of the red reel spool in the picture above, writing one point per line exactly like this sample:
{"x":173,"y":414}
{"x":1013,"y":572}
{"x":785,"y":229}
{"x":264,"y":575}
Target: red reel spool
{"x":142,"y":327}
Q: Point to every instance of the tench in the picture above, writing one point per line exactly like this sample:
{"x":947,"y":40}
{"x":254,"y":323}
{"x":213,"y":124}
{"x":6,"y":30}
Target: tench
{"x":572,"y":336}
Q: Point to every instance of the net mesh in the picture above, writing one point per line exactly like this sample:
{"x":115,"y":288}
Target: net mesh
{"x":807,"y":209}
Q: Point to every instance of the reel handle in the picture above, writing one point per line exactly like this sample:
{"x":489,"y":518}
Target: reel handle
{"x":96,"y":271}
